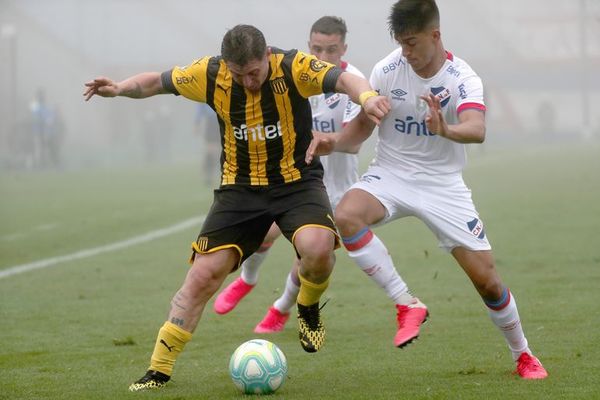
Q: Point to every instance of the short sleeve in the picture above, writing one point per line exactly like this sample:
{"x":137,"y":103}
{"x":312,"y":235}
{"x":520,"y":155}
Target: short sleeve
{"x":189,"y":81}
{"x":313,"y":76}
{"x":470,"y":94}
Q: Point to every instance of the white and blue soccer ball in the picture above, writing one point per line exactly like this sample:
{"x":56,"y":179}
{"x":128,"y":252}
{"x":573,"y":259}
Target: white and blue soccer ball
{"x":258,"y":367}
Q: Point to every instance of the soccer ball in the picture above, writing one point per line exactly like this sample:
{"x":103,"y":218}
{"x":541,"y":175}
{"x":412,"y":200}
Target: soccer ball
{"x":258,"y":367}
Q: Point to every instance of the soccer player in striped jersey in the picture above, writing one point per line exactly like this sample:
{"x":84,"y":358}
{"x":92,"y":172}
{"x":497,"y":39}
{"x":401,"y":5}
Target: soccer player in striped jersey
{"x":330,"y":112}
{"x":260,"y":95}
{"x":437,"y":107}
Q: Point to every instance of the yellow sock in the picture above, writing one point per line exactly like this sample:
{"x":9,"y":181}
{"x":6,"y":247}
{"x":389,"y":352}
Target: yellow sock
{"x":310,"y":292}
{"x":169,"y":344}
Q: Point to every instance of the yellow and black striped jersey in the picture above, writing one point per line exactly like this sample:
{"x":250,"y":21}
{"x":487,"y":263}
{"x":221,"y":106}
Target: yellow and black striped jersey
{"x":264,"y":135}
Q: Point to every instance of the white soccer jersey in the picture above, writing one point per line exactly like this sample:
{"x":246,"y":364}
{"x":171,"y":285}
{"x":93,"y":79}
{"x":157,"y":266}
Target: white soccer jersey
{"x":330,"y":111}
{"x":405,"y":146}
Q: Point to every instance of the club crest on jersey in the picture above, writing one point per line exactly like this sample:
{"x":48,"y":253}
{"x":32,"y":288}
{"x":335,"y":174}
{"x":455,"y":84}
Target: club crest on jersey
{"x":442,"y":94}
{"x":398,"y":94}
{"x":278,"y":85}
{"x":332,"y":100}
{"x":476,"y":228}
{"x":317,"y":65}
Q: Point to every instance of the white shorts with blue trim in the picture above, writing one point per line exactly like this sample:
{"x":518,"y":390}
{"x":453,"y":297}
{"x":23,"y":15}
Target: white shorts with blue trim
{"x":444,"y":205}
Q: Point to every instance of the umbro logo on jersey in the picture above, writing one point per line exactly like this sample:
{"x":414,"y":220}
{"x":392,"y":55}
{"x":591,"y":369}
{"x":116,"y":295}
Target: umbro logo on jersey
{"x":398,"y":94}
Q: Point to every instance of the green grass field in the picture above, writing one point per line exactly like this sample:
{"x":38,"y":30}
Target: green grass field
{"x":85,"y":329}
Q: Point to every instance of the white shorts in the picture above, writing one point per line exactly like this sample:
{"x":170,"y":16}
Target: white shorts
{"x":447,"y":209}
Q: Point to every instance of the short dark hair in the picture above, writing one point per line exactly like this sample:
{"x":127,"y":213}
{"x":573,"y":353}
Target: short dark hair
{"x":242,"y":44}
{"x":330,"y":25}
{"x":413,"y":16}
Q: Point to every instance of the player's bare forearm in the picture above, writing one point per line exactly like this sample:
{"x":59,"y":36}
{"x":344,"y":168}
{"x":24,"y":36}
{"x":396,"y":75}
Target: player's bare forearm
{"x":360,"y":91}
{"x":354,"y":134}
{"x":352,"y":85}
{"x":140,"y":86}
{"x":470,"y":129}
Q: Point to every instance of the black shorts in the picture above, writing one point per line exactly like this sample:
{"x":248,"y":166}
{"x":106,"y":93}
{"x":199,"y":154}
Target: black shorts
{"x":241,"y":216}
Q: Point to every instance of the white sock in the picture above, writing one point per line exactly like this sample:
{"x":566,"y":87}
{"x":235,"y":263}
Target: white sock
{"x":375,"y":260}
{"x":288,"y":299}
{"x":250,"y":267}
{"x":508,"y":321}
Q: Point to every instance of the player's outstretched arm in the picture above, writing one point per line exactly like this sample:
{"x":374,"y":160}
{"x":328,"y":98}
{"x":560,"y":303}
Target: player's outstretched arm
{"x":138,"y":86}
{"x":347,"y":141}
{"x":376,"y":107}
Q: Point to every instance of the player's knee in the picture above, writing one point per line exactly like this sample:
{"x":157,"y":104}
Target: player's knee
{"x":490,"y":289}
{"x":346,"y":220}
{"x":200,"y":278}
{"x":320,"y":255}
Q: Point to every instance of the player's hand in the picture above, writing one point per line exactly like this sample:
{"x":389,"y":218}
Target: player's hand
{"x":435,"y":118}
{"x":101,"y":86}
{"x":321,"y":144}
{"x":376,"y":108}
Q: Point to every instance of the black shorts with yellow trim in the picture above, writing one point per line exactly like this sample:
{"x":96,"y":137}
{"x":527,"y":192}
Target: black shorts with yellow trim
{"x":241,"y":216}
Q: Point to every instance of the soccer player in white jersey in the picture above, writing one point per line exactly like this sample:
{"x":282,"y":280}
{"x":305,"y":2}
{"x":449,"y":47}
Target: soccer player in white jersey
{"x":330,"y":112}
{"x":437,"y":107}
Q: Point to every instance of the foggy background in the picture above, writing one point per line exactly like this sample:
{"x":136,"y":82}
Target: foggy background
{"x":539,"y":61}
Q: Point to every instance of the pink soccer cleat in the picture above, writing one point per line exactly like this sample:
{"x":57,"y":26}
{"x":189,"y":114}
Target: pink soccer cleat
{"x":273,"y":322}
{"x":410,"y":319}
{"x":231,"y":296}
{"x":529,"y":367}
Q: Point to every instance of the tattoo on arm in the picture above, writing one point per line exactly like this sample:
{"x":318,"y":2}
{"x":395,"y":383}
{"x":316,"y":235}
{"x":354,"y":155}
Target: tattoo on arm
{"x":135,"y":92}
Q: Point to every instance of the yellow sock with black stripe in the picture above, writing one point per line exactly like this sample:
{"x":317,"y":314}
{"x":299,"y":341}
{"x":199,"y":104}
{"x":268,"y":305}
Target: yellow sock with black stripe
{"x":310,"y":292}
{"x":169,"y":343}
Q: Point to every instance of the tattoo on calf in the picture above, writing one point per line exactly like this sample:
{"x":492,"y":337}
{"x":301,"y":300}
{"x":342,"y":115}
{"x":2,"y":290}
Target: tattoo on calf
{"x":176,"y":302}
{"x":177,"y":321}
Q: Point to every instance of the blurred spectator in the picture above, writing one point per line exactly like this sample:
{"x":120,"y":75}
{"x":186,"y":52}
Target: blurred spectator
{"x":157,"y":135}
{"x":206,"y":125}
{"x":46,"y":133}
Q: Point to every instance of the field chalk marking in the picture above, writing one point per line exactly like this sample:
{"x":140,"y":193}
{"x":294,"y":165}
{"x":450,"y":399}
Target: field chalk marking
{"x":94,"y":251}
